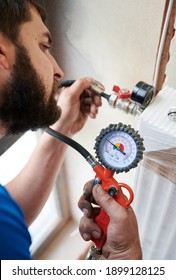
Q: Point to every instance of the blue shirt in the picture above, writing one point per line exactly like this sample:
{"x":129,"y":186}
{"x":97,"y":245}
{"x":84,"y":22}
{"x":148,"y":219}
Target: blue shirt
{"x":15,"y":240}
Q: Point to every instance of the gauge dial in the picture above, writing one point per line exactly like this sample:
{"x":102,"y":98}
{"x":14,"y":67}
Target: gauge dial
{"x":119,"y":147}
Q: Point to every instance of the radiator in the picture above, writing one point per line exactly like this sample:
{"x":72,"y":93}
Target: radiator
{"x":155,"y":179}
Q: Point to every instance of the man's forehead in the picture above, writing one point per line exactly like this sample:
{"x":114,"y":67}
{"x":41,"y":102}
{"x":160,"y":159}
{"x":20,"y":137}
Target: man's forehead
{"x":37,"y":20}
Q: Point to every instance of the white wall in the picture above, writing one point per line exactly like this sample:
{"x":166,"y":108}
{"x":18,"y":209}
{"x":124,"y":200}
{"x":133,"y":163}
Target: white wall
{"x":113,"y":41}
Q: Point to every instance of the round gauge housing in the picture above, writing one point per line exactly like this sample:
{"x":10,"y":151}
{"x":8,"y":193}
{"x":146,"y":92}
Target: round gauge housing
{"x":119,"y":147}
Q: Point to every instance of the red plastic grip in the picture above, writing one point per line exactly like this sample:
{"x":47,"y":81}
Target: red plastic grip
{"x":102,"y":220}
{"x":107,"y":181}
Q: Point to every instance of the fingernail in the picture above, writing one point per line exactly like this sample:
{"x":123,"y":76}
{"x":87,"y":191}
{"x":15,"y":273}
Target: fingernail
{"x":85,"y":211}
{"x":89,"y":80}
{"x":92,"y":116}
{"x":86,"y":236}
{"x":96,"y":234}
{"x":98,"y":188}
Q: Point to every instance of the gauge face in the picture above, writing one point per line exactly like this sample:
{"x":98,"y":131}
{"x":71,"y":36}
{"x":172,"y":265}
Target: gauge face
{"x":119,"y":149}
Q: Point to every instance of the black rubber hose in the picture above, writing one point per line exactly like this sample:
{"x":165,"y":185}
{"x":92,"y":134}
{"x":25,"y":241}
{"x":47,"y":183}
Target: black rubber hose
{"x":75,"y":145}
{"x":66,"y":83}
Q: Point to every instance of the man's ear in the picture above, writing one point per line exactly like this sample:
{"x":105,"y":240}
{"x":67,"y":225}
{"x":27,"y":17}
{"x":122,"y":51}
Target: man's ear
{"x":3,"y":59}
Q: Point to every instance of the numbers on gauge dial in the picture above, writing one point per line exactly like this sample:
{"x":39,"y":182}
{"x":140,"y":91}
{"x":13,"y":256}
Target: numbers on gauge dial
{"x":118,"y":149}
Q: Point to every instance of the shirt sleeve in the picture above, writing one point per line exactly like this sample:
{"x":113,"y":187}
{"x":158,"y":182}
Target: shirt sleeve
{"x":15,"y":240}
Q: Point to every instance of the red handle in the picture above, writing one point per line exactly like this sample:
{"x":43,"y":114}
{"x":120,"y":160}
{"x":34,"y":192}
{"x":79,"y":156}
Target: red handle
{"x":102,"y":220}
{"x":107,"y":181}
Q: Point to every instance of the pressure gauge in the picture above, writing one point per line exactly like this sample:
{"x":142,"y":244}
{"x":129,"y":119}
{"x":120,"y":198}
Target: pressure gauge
{"x":119,"y":147}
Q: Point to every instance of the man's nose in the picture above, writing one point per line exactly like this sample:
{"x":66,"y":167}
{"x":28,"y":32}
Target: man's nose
{"x":58,"y":73}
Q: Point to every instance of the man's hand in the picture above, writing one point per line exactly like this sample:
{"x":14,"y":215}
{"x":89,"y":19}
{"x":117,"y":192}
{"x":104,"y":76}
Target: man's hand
{"x":77,"y":102}
{"x":122,"y":234}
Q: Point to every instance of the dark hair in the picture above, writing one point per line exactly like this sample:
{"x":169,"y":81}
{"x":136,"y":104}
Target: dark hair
{"x":14,"y":13}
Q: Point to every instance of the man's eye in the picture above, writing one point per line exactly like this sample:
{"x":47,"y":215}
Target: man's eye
{"x":45,"y":47}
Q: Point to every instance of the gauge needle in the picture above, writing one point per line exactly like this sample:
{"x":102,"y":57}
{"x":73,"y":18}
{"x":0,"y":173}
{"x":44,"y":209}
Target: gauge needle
{"x":116,"y":147}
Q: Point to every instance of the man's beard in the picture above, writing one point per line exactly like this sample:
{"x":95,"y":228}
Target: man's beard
{"x":23,"y":100}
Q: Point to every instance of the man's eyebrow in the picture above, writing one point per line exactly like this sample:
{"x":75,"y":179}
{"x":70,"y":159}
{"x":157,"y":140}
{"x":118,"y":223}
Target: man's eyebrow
{"x":48,"y":36}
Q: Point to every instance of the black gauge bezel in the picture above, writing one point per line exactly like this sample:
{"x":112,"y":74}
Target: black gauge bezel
{"x":136,"y":137}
